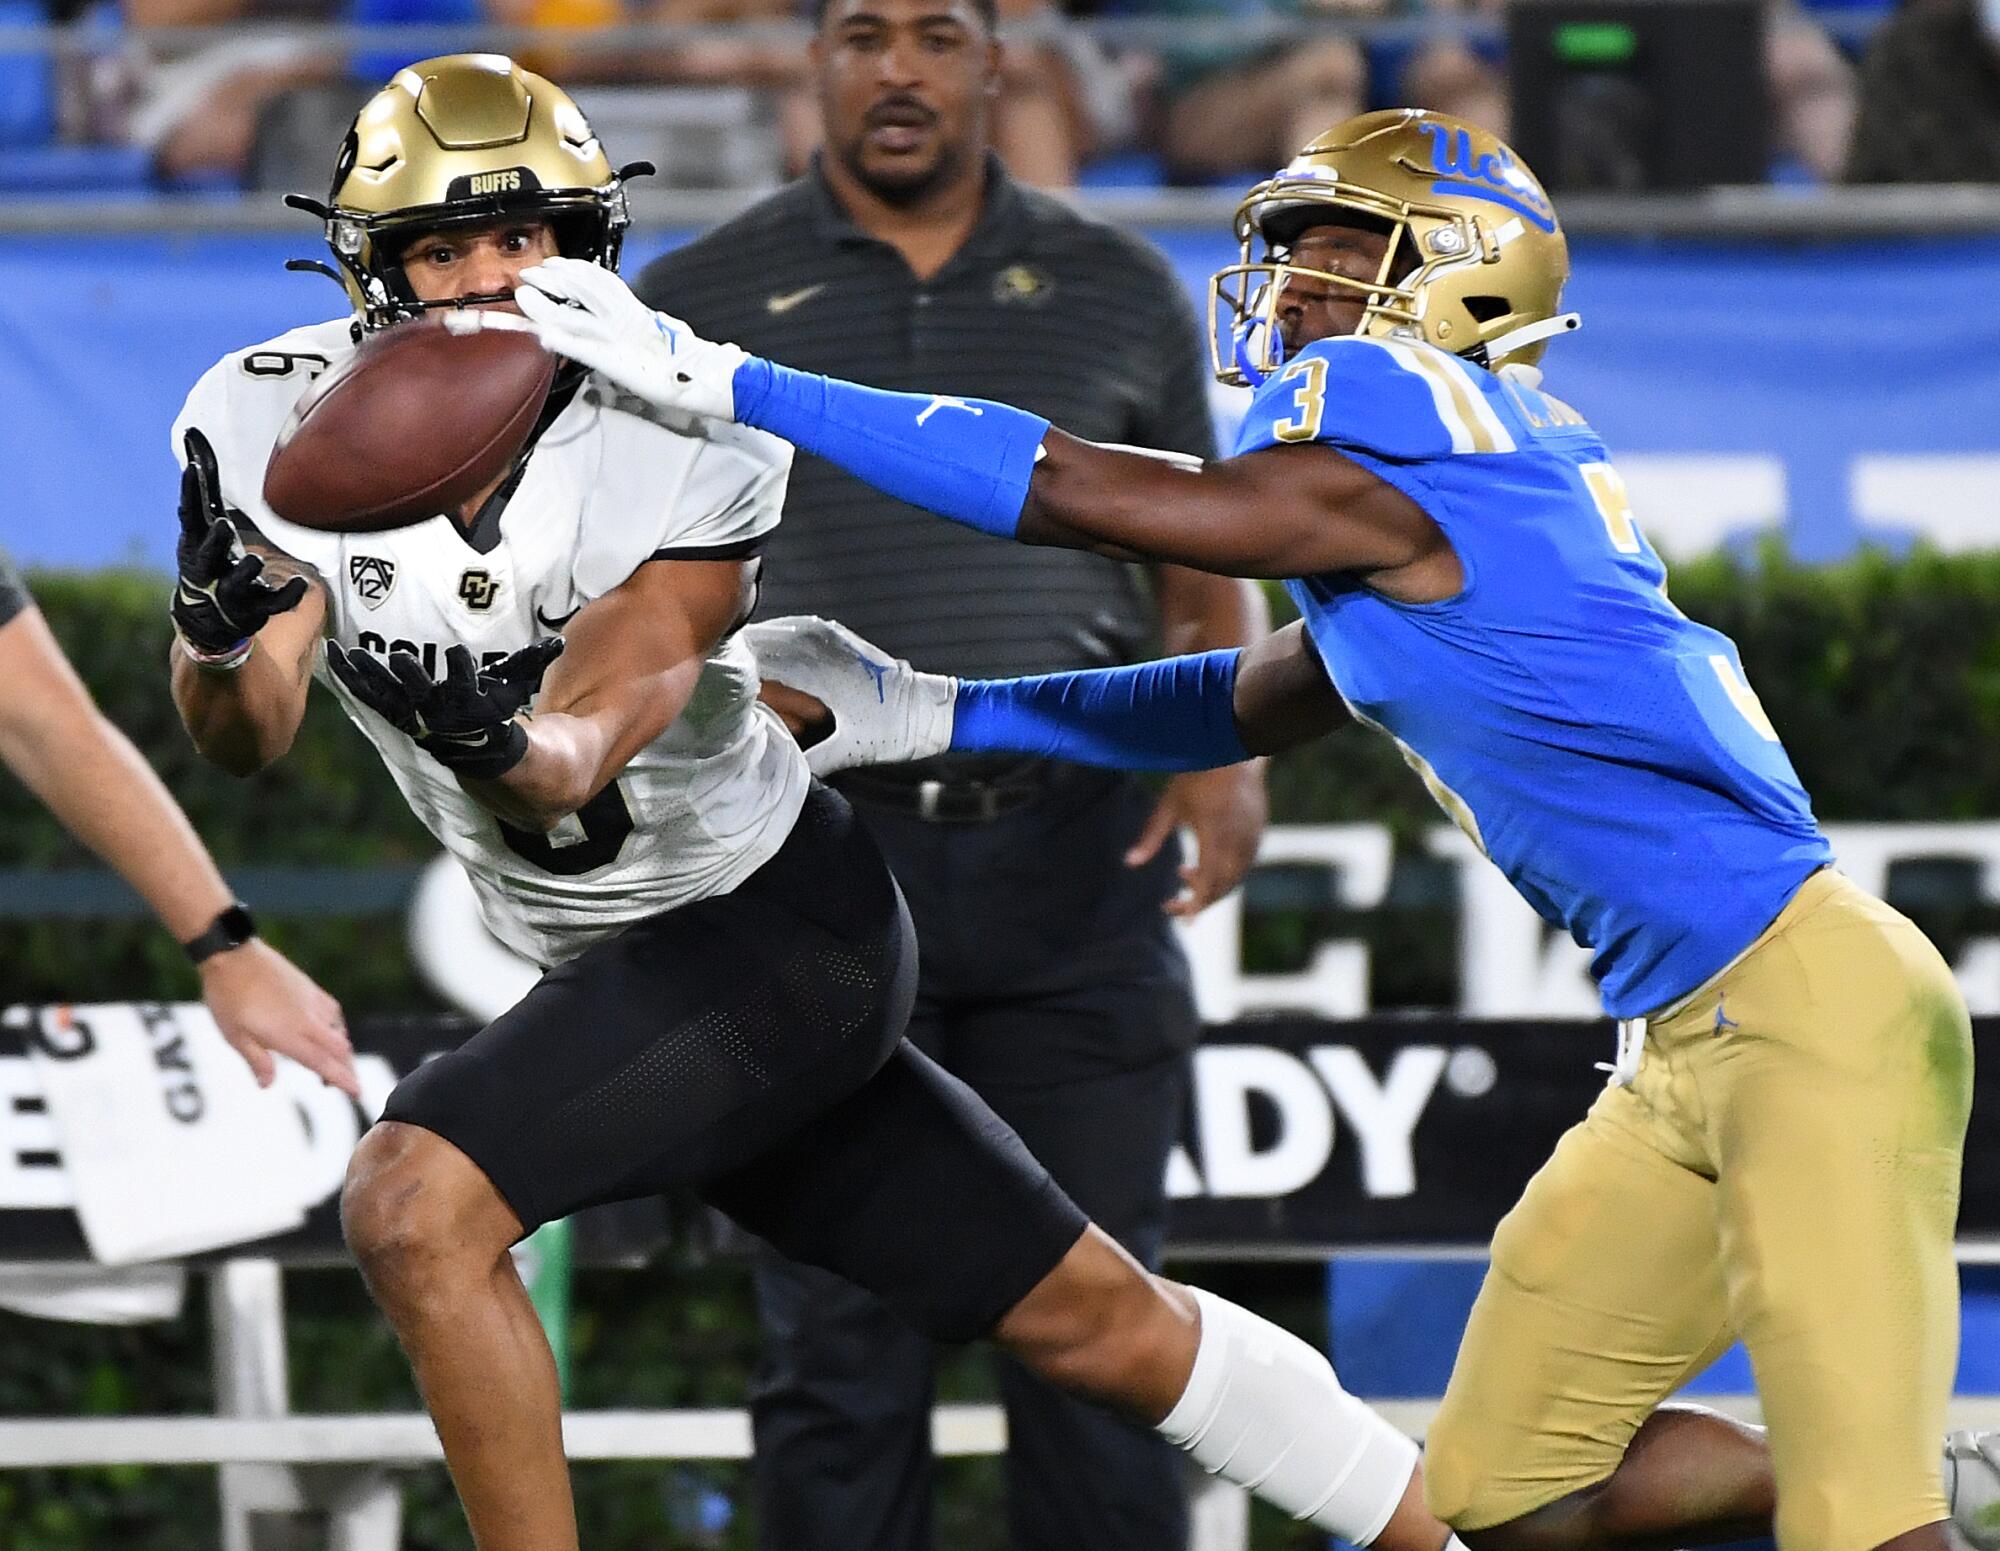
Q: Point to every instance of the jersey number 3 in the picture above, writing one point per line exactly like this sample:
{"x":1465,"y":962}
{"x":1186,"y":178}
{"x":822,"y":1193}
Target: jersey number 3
{"x":1308,"y":401}
{"x":588,"y":839}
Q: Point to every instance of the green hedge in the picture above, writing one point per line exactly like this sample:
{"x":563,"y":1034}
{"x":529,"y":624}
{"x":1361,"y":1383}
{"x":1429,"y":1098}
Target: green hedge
{"x":1884,"y":677}
{"x":329,"y":803}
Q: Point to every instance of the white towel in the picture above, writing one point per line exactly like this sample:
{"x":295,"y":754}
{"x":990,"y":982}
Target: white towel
{"x":168,"y":1141}
{"x":94,"y":1295}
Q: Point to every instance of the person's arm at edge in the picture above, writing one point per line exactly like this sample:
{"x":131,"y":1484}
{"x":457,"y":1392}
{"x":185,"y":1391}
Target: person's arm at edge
{"x":87,"y":772}
{"x":89,"y":775}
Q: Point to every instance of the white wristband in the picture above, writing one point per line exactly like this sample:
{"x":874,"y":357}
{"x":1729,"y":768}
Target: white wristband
{"x":227,"y":661}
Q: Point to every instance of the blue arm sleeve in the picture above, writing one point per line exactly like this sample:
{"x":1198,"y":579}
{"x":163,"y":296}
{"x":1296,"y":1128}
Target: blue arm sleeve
{"x":1176,"y":714}
{"x":966,"y":459}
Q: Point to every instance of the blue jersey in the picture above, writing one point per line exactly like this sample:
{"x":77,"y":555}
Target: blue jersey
{"x":1602,"y":748}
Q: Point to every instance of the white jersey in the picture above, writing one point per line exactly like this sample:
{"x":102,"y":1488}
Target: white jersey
{"x":606,"y":489}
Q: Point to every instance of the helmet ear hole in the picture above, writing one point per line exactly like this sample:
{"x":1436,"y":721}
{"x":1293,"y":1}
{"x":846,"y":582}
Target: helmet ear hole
{"x":1485,"y":309}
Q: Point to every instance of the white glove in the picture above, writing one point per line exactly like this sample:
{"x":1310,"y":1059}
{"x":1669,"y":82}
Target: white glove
{"x":884,"y":711}
{"x":585,"y":312}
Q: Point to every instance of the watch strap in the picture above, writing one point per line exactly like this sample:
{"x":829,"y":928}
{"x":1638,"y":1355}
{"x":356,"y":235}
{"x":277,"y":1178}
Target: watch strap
{"x":231,"y":929}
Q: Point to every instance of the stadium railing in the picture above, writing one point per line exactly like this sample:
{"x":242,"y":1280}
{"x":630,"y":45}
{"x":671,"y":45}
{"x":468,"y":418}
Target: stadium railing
{"x":340,"y":1468}
{"x":1748,"y":213}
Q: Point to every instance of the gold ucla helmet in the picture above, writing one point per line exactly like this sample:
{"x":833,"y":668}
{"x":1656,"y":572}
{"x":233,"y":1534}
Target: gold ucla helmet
{"x":1476,"y":259}
{"x":467,"y":137}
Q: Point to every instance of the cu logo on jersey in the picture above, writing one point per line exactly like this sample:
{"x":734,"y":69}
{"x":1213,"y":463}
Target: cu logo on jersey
{"x":371,"y":576}
{"x":477,"y":590}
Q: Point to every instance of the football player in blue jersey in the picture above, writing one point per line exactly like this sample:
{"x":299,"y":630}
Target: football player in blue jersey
{"x":1777,"y":1155}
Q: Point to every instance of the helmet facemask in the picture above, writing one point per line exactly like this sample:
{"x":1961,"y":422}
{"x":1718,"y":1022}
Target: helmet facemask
{"x":1245,"y":343}
{"x":370,"y":250}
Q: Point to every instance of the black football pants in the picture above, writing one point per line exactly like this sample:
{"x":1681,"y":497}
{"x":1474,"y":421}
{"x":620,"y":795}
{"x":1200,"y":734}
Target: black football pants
{"x":1052,"y":985}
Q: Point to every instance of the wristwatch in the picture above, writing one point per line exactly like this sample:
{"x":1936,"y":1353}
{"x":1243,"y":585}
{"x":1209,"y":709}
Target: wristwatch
{"x":231,"y":929}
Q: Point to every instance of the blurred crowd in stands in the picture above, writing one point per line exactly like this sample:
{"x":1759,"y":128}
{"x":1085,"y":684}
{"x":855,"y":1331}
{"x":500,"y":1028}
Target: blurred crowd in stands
{"x":1880,"y":91}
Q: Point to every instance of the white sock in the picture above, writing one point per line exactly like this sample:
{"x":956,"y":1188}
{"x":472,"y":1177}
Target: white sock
{"x":1265,"y":1410}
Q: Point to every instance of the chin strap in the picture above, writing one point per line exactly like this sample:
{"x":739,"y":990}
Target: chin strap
{"x":1515,"y":340}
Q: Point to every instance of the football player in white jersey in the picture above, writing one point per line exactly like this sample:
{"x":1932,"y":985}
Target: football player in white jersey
{"x":729,"y":964}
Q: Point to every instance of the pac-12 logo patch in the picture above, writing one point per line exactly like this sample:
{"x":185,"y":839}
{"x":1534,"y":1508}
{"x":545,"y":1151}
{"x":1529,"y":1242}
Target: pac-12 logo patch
{"x":371,"y":577}
{"x":477,"y":590}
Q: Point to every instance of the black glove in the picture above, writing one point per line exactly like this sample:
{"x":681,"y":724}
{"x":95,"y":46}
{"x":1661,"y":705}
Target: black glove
{"x":465,"y":720}
{"x":221,"y":599}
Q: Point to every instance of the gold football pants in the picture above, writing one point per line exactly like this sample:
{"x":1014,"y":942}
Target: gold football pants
{"x":1784,"y":1167}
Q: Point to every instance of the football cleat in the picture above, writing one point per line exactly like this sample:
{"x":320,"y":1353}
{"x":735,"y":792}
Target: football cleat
{"x":1972,"y":1487}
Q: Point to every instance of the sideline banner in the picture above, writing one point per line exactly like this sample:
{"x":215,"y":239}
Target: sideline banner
{"x":1746,"y":389}
{"x":1304,"y":1137}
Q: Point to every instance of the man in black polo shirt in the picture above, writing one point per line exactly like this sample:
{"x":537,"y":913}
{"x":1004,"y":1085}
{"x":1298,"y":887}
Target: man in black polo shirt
{"x":908,"y":259}
{"x":61,"y":747}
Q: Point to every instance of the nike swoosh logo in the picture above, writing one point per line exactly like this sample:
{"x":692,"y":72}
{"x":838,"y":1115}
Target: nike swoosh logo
{"x":554,"y":624}
{"x":785,"y":301}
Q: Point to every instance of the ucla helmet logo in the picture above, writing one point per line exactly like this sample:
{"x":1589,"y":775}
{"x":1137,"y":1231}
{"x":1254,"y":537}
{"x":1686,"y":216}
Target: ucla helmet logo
{"x":1491,"y":175}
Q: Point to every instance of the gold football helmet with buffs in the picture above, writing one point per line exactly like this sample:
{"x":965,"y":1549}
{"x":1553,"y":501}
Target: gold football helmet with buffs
{"x":1476,"y":259}
{"x":462,"y":138}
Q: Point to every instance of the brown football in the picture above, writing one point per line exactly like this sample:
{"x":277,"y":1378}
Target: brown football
{"x":417,"y":421}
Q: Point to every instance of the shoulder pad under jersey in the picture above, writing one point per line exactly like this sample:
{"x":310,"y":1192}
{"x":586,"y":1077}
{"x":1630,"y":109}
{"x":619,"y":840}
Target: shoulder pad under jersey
{"x":1394,"y":399}
{"x":242,"y":402}
{"x":672,"y":488}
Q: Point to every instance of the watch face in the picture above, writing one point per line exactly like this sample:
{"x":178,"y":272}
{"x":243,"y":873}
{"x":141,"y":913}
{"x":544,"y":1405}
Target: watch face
{"x":231,"y":929}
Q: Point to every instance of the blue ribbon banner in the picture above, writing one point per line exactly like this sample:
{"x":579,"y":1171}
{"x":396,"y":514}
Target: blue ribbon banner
{"x":1835,"y":394}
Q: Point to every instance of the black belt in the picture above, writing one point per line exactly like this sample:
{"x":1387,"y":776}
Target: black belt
{"x":957,"y":800}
